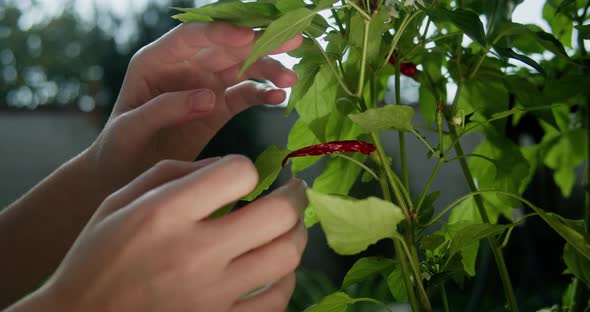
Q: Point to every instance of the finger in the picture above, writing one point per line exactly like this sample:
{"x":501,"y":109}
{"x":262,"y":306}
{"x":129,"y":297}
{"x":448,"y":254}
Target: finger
{"x":276,"y":298}
{"x":166,"y":110}
{"x":265,"y":68}
{"x":161,"y":173}
{"x":216,"y":58}
{"x":182,"y":42}
{"x":264,"y":219}
{"x":250,"y":93}
{"x":268,"y":263}
{"x":195,"y":196}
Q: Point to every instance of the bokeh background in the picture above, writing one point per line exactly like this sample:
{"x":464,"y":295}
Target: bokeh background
{"x":61,"y":66}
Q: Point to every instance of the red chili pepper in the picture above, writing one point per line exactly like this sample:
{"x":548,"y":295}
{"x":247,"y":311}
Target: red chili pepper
{"x":408,"y":69}
{"x":332,"y":147}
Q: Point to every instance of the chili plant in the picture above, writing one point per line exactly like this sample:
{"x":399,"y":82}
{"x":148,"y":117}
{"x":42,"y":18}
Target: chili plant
{"x":502,"y":71}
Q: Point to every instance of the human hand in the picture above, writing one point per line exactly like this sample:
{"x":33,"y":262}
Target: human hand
{"x":178,"y":92}
{"x":150,"y":246}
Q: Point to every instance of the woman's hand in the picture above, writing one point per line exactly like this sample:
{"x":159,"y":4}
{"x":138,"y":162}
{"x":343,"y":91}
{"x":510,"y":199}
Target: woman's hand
{"x":151,"y":247}
{"x":178,"y":92}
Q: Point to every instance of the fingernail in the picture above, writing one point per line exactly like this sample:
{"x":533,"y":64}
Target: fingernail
{"x":201,"y":101}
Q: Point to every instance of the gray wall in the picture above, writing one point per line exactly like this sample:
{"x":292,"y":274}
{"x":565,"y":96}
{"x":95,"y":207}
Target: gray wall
{"x":33,"y":144}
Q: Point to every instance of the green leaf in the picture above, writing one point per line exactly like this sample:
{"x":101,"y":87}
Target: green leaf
{"x":247,"y":14}
{"x":427,"y":208}
{"x":337,"y":178}
{"x":509,"y":53}
{"x":531,"y":39}
{"x":564,"y":227}
{"x":567,"y":152}
{"x":306,"y":70}
{"x":397,"y":117}
{"x":485,"y":93}
{"x":427,"y":104}
{"x":377,"y":27}
{"x":466,"y":20}
{"x":268,"y":165}
{"x":301,"y":136}
{"x":395,"y":281}
{"x":561,"y":25}
{"x":352,"y":225}
{"x":336,"y":302}
{"x":367,"y":267}
{"x":278,"y":32}
{"x":289,"y":5}
{"x":320,"y":99}
{"x":576,"y":264}
{"x":506,"y":172}
{"x":464,"y":234}
{"x":318,"y":26}
{"x":584,"y":31}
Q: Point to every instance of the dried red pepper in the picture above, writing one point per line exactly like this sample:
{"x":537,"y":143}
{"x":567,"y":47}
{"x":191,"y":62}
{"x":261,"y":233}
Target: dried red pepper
{"x":408,"y":69}
{"x":332,"y":147}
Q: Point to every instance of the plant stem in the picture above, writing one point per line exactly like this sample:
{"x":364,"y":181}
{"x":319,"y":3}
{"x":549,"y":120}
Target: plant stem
{"x":443,"y":293}
{"x":390,"y":175}
{"x":398,"y":34}
{"x":334,"y":70}
{"x":361,"y":83}
{"x":498,"y":256}
{"x":429,"y":183}
{"x":338,"y":21}
{"x":398,"y":251}
{"x":383,"y":305}
{"x":417,"y":276}
{"x":359,"y":9}
{"x":401,"y":134}
{"x":406,"y":275}
{"x":421,"y":138}
{"x":579,"y":297}
{"x":360,"y":164}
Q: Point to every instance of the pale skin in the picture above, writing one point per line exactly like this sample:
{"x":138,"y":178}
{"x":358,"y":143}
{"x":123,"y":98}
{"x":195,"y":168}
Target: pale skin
{"x":137,"y":208}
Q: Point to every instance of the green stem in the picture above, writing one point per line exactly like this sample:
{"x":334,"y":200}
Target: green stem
{"x":334,"y":70}
{"x":390,"y":175}
{"x":338,"y":21}
{"x":422,"y":43}
{"x":429,"y":183}
{"x":443,"y":293}
{"x":383,"y":305}
{"x":360,"y":164}
{"x":417,"y":276}
{"x":401,"y":134}
{"x":497,"y":252}
{"x":587,"y":206}
{"x":360,"y":10}
{"x":478,"y":64}
{"x":579,"y":297}
{"x":398,"y":34}
{"x":406,"y":275}
{"x":361,"y":83}
{"x":398,"y":251}
{"x":471,"y":155}
{"x":421,"y":138}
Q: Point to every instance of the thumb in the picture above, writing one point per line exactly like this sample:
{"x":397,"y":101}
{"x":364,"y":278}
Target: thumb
{"x":170,"y":109}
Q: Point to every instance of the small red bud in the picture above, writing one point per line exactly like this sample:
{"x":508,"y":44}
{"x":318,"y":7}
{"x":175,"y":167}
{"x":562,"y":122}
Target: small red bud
{"x":408,"y":69}
{"x":392,"y":60}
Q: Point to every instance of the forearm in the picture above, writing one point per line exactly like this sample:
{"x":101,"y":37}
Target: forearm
{"x":39,"y":228}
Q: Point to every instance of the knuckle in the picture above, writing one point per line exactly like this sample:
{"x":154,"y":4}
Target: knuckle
{"x":291,"y":256}
{"x":285,"y":210}
{"x":166,"y":165}
{"x":244,"y":167}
